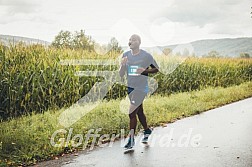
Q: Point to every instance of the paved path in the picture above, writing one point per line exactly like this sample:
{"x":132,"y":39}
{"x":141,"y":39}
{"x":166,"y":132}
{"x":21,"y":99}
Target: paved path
{"x":216,"y":138}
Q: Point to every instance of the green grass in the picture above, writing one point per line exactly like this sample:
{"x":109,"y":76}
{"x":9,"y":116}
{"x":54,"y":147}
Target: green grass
{"x":26,"y":140}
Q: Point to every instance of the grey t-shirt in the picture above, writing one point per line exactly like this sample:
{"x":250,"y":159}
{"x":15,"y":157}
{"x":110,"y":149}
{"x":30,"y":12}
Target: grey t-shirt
{"x":144,"y":60}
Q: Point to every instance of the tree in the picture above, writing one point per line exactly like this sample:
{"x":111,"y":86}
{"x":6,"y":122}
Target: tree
{"x":78,"y":40}
{"x":244,"y":55}
{"x":213,"y":54}
{"x":63,"y":40}
{"x":114,"y":45}
{"x":82,"y":41}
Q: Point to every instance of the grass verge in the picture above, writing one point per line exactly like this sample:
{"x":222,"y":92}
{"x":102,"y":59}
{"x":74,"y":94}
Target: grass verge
{"x":26,"y":140}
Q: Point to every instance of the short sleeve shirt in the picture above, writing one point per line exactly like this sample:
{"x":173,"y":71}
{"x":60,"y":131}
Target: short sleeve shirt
{"x":141,"y":60}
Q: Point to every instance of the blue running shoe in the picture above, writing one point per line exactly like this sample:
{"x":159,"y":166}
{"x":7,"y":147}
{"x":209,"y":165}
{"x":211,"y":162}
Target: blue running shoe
{"x":130,"y":144}
{"x":147,"y":133}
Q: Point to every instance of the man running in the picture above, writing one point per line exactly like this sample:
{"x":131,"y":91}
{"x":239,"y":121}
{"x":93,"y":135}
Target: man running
{"x":136,"y":63}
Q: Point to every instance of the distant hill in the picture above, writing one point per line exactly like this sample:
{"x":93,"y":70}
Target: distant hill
{"x":7,"y":39}
{"x":226,"y":46}
{"x":231,"y":47}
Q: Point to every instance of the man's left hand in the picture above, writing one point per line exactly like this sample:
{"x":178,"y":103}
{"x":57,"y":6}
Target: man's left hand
{"x":140,"y":70}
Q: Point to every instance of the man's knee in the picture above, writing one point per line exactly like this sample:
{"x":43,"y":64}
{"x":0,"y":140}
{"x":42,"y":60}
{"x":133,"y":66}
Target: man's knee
{"x":132,"y":115}
{"x":133,"y":111}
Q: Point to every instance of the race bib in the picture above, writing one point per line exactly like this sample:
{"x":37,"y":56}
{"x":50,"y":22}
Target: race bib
{"x":132,"y":70}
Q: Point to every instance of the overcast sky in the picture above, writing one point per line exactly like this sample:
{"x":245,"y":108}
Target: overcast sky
{"x":159,"y":22}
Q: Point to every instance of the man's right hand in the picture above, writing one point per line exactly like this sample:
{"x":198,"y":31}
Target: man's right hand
{"x":123,"y":66}
{"x":124,"y":61}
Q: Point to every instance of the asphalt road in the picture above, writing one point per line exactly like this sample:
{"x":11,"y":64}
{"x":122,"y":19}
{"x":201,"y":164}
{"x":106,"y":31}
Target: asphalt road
{"x":216,"y":138}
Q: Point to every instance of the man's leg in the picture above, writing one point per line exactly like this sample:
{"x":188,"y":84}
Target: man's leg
{"x":142,"y":117}
{"x":136,"y":100}
{"x":133,"y":123}
{"x":132,"y":115}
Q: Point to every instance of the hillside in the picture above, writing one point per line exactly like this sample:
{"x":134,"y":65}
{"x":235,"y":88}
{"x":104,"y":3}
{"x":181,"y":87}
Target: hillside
{"x":9,"y":39}
{"x":226,"y":47}
{"x":231,"y":47}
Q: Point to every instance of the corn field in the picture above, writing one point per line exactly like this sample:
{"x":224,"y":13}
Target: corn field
{"x":33,"y":79}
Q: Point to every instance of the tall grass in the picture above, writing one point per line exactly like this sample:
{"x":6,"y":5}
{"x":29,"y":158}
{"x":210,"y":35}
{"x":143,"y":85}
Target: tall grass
{"x":33,"y":79}
{"x":200,"y":73}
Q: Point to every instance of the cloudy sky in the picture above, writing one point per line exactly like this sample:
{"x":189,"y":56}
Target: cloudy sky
{"x":159,"y":22}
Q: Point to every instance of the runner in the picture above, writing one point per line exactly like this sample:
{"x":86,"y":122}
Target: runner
{"x":136,"y":63}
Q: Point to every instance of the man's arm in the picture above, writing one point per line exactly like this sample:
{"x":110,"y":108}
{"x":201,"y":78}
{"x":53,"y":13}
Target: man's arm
{"x":152,"y":70}
{"x":123,"y":67}
{"x":122,"y":70}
